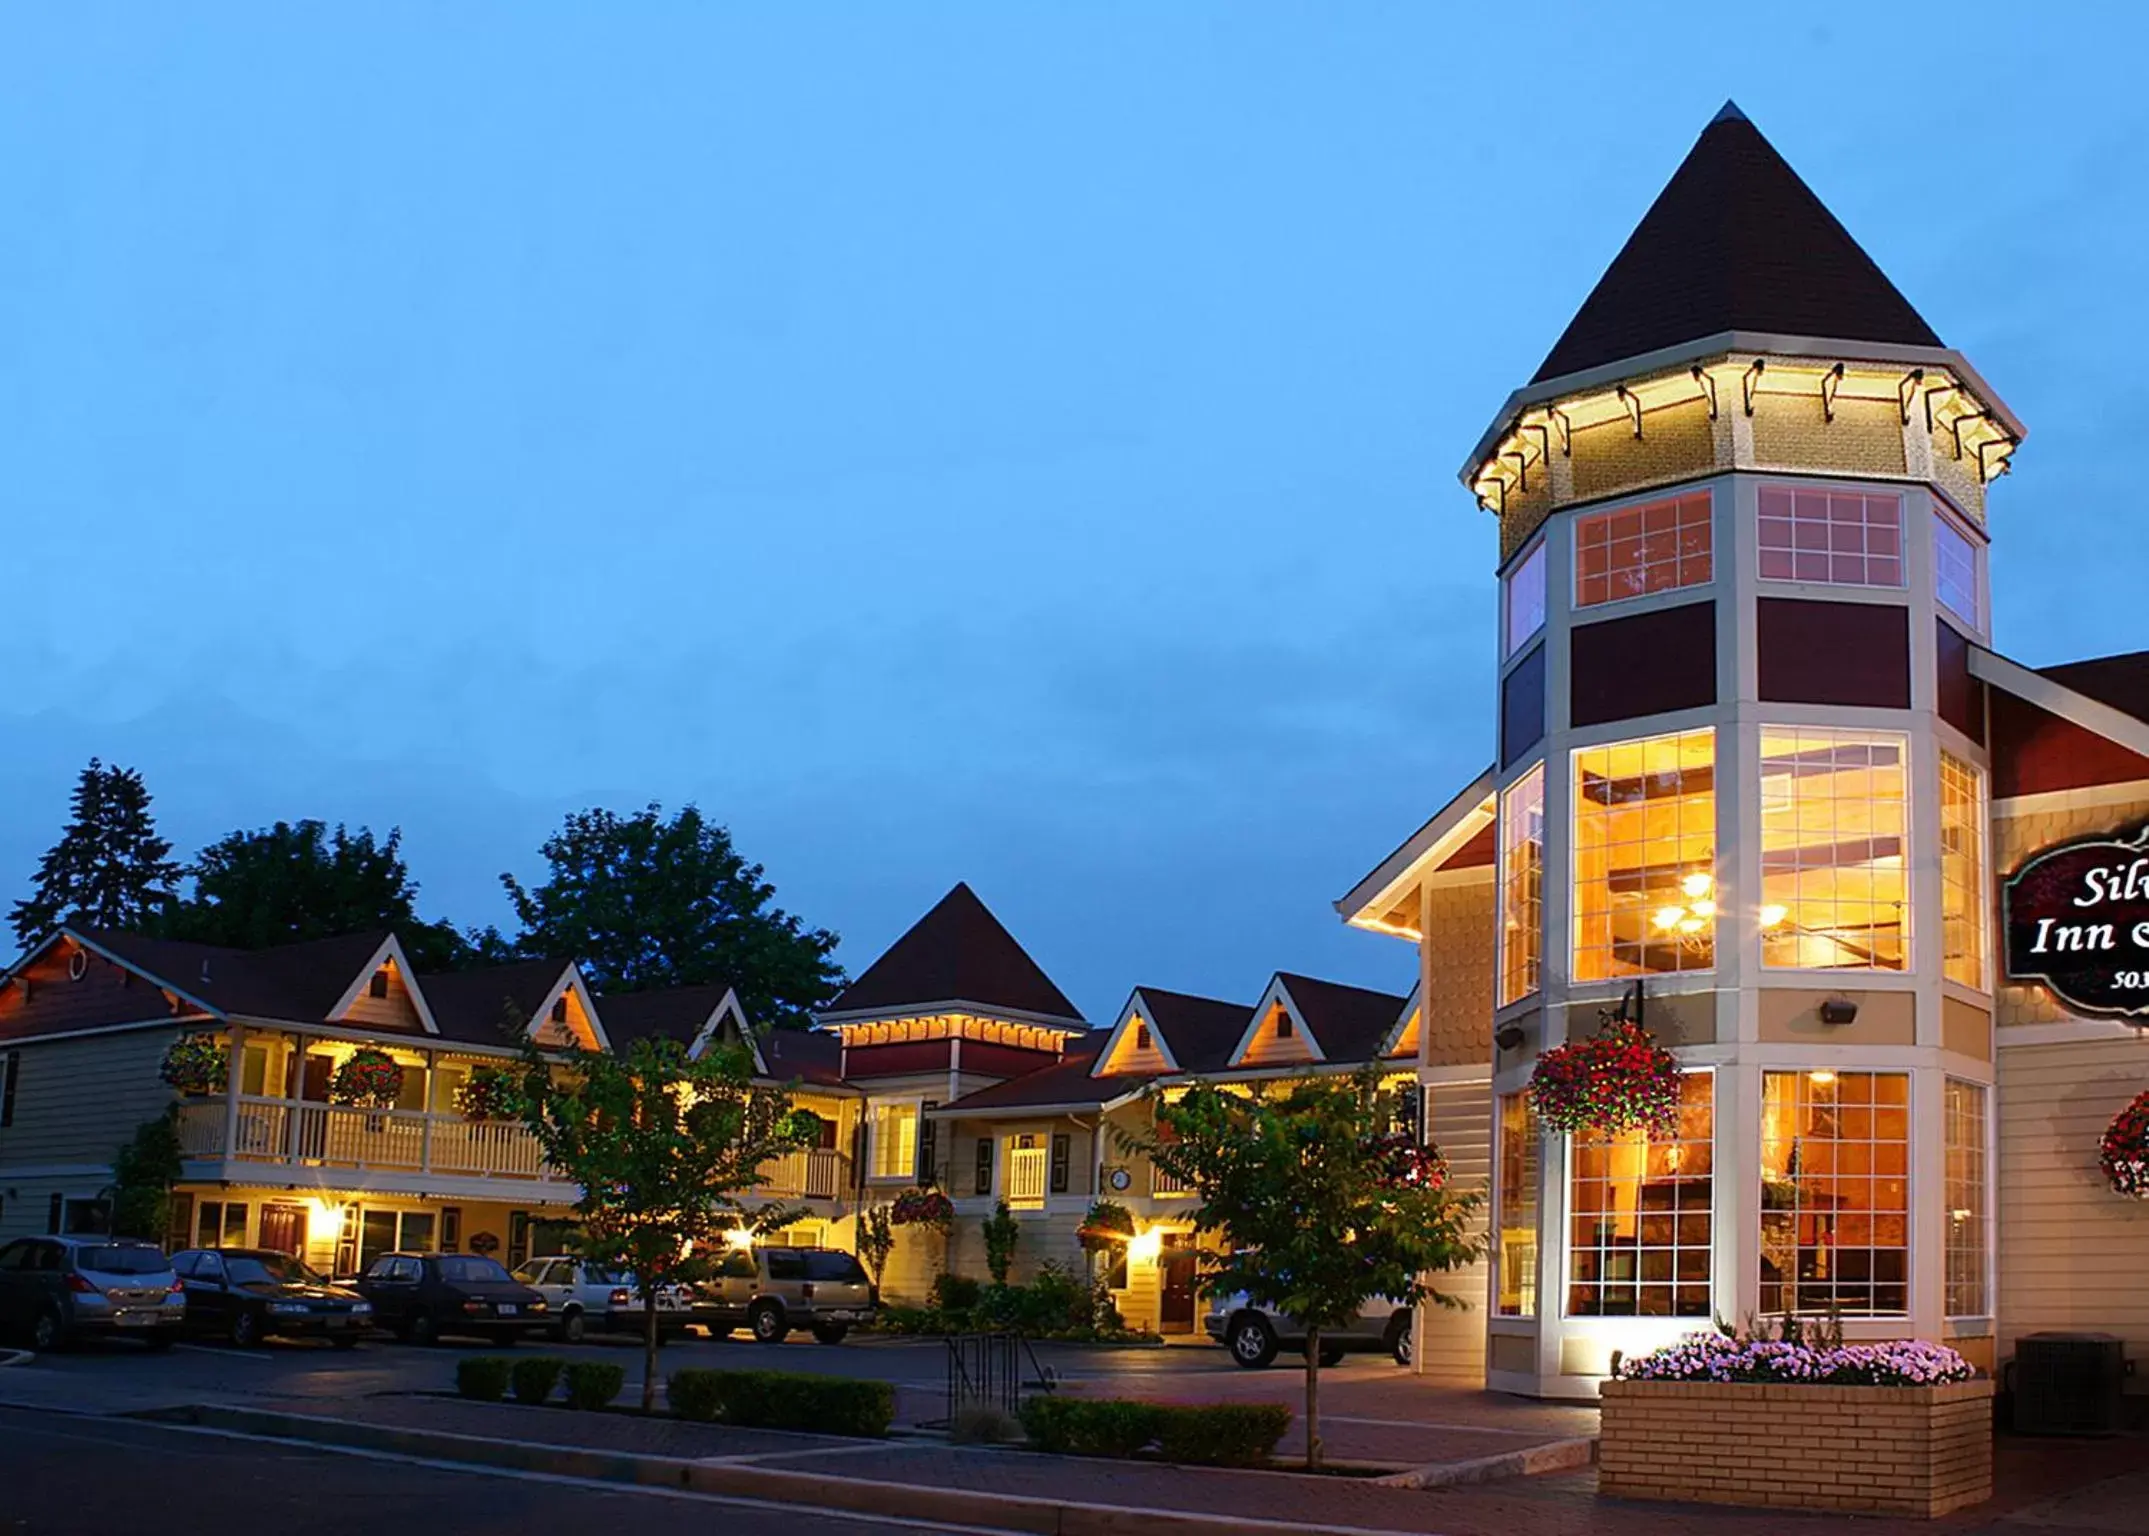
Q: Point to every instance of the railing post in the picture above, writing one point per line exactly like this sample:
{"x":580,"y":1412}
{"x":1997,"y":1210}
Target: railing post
{"x":234,"y":1067}
{"x":425,"y":1144}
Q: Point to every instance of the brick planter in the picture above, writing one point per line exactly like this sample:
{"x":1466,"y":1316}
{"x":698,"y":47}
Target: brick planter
{"x":1888,"y":1450}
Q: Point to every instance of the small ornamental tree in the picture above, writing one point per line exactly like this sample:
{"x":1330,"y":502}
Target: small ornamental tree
{"x":144,"y":1172}
{"x":876,"y":1241}
{"x":666,"y":1150}
{"x":1316,"y":1212}
{"x":1002,"y":1233}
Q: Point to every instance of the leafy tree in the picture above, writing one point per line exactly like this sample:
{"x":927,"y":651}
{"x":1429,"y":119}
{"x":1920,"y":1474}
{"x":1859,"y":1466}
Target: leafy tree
{"x":1320,"y":1205}
{"x":296,"y":881}
{"x":876,"y":1240}
{"x":1002,"y":1233}
{"x":646,"y":902}
{"x":109,"y":868}
{"x":665,"y":1150}
{"x":143,"y":1173}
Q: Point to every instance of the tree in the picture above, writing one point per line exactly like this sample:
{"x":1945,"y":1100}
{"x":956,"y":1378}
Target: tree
{"x":645,"y":902}
{"x":143,"y":1173}
{"x":876,"y":1240}
{"x":1002,"y":1233}
{"x":109,"y":869}
{"x":1320,"y":1204}
{"x":665,"y":1150}
{"x":296,"y":881}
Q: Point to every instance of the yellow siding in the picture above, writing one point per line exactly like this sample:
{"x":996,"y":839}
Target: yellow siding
{"x":396,"y":1011}
{"x":2072,"y":1254}
{"x":1128,"y":1056}
{"x":1268,"y":1049}
{"x":1460,"y":949}
{"x":1452,"y":1341}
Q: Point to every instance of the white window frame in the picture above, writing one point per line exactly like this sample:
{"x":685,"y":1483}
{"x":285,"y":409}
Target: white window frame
{"x":1510,"y":645}
{"x":1902,"y":538}
{"x":913,"y":1111}
{"x":1577,"y":608}
{"x":1991,"y":1278}
{"x":1944,"y":515}
{"x":1910,"y":903}
{"x":1718,"y":1224}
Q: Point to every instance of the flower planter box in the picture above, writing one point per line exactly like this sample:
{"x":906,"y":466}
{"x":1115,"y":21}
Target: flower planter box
{"x":1885,"y":1450}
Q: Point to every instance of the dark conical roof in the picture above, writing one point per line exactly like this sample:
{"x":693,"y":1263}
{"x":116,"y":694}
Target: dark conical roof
{"x":958,"y":952}
{"x":1734,"y":242}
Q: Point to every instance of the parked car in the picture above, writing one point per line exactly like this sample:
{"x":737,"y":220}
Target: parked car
{"x":425,"y":1296}
{"x":583,"y":1296}
{"x":246,"y":1294}
{"x":774,"y":1290}
{"x":1255,"y":1332}
{"x":54,"y":1290}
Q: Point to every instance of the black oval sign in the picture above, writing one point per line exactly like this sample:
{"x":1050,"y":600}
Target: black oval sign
{"x":2077,"y":919}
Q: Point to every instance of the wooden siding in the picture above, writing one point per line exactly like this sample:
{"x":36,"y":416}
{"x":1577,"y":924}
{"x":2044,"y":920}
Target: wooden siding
{"x":1452,"y":1340}
{"x":76,"y":1101}
{"x":1268,"y":1049}
{"x":1457,"y":957}
{"x":44,"y":999}
{"x":1129,"y":1056}
{"x":2071,"y":1253}
{"x":396,"y":1011}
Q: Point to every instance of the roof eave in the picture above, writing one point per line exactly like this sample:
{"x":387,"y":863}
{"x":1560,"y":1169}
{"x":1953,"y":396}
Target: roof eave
{"x":1432,"y":842}
{"x":2055,"y":697}
{"x":1667,"y":358}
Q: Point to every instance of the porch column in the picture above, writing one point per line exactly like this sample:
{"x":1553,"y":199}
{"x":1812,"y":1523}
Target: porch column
{"x":425,"y":1125}
{"x":234,"y":1067}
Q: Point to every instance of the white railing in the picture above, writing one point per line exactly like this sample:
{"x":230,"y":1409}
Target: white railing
{"x":815,"y":1173}
{"x":1162,"y":1183}
{"x":337,"y":1136}
{"x":1026,"y":1176}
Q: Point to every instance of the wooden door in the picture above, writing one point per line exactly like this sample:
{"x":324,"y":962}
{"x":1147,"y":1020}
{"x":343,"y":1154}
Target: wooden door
{"x":1175,"y":1305}
{"x":283,"y":1227}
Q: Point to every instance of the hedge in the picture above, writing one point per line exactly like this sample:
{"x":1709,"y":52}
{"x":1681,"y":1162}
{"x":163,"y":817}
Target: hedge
{"x":593,"y":1383}
{"x":533,"y":1379}
{"x":831,"y":1405}
{"x":483,"y":1378}
{"x":1207,"y":1434}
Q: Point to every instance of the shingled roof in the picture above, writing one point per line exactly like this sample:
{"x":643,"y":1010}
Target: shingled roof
{"x":2119,"y":681}
{"x":300,"y":982}
{"x":1734,"y":242}
{"x":675,"y":1012}
{"x":492,"y":1006}
{"x":956,"y":953}
{"x":1351,"y":1023}
{"x":1200,"y":1032}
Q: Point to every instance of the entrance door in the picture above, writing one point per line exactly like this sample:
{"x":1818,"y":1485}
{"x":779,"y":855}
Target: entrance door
{"x":1175,"y":1304}
{"x":283,"y":1227}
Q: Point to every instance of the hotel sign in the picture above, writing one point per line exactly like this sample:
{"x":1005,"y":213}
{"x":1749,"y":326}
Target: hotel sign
{"x":2077,"y":920}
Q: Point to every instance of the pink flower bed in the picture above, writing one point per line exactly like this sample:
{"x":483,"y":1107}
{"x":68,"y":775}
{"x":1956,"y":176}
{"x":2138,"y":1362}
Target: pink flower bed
{"x":1713,"y":1357}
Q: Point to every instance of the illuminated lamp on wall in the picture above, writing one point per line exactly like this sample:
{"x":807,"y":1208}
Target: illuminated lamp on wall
{"x":1146,"y":1247}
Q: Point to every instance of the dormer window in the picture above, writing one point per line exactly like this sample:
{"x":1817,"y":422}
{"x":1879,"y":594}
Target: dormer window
{"x":559,"y":1009}
{"x":1284,"y":1024}
{"x":1141,"y":1037}
{"x":377,"y":984}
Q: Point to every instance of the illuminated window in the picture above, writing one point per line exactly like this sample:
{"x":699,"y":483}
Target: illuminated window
{"x":1515,"y":1215}
{"x":1522,"y":883}
{"x":1962,"y":871}
{"x":1835,"y":1192}
{"x":1654,"y":548}
{"x":1639,"y":1217}
{"x":1955,"y":574}
{"x":1844,"y":538}
{"x":895,"y":1141}
{"x":1833,"y":885}
{"x":1525,"y":601}
{"x":1969,"y":1205}
{"x":1645,"y":856}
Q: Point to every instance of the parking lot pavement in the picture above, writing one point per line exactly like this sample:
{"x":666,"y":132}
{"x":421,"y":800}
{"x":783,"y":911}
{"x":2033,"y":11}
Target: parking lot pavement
{"x":58,"y":1477}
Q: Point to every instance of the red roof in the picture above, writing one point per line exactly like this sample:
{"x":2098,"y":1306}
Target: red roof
{"x":956,"y":953}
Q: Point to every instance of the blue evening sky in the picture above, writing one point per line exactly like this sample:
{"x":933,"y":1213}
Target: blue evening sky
{"x":1004,"y":442}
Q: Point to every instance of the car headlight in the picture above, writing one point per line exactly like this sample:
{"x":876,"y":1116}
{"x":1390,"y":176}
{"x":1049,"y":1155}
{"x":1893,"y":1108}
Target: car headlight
{"x":537,"y":1306}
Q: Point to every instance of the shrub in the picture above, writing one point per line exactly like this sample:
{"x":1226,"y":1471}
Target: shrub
{"x":1716,"y":1357}
{"x":533,"y":1379}
{"x":593,"y":1383}
{"x":956,"y":1293}
{"x":984,"y":1424}
{"x":483,"y":1378}
{"x":831,"y":1405}
{"x":1002,"y":1234}
{"x":1076,"y":1426}
{"x":911,"y":1320}
{"x":1222,"y":1434}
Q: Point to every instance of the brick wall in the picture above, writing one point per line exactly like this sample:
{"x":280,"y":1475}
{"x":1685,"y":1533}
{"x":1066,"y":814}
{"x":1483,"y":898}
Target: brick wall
{"x":1896,"y":1450}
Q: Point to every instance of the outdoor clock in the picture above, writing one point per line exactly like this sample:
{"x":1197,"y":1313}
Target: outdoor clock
{"x":1120,"y":1179}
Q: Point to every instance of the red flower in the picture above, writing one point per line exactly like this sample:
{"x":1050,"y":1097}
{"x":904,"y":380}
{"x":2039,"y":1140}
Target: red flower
{"x":1618,"y":1080}
{"x":2123,"y":1153}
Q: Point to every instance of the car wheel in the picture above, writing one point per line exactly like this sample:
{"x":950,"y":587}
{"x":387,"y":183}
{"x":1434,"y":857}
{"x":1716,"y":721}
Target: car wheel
{"x":1399,"y":1340}
{"x":423,"y":1329}
{"x":1331,"y":1356}
{"x":1252,"y":1342}
{"x":831,"y":1333}
{"x":569,"y":1328}
{"x":245,"y":1329}
{"x":47,"y":1332}
{"x":767,"y":1321}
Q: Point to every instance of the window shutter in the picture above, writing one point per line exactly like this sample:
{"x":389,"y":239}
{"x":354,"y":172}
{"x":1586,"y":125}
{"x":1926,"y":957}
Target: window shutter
{"x":1062,"y":1156}
{"x":984,"y":1165}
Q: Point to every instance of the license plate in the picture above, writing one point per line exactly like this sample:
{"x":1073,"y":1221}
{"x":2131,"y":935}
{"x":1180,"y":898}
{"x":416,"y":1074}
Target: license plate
{"x":137,"y":1319}
{"x":844,"y":1316}
{"x":506,"y":1310}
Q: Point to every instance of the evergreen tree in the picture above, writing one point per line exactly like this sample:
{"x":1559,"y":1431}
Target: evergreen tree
{"x":109,"y":869}
{"x":288,"y":883}
{"x":644,"y":902}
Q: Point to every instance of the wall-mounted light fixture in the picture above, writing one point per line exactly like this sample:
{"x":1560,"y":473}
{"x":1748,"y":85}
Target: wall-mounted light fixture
{"x":1839,"y":1010}
{"x":1508,"y":1037}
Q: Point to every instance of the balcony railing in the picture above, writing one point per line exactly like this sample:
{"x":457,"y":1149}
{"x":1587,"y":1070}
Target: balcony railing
{"x":1026,"y":1177}
{"x":814,"y":1174}
{"x":371,"y":1140}
{"x":1162,"y":1183}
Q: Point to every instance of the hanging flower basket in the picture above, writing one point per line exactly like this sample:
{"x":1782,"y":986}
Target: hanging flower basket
{"x":2123,"y":1154}
{"x":1616,"y":1081}
{"x":924,"y":1208}
{"x":1106,"y":1226}
{"x":196,"y":1064}
{"x":488,"y":1094}
{"x":804,"y":1127}
{"x":1407,"y":1163}
{"x":368,"y":1079}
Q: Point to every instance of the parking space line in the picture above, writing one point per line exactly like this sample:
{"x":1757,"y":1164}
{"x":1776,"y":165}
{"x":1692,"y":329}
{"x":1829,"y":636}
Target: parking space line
{"x":258,"y":1357}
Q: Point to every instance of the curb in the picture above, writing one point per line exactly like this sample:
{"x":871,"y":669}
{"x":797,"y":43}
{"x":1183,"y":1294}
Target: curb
{"x":1558,"y":1456}
{"x":818,"y":1490}
{"x":10,"y":1357}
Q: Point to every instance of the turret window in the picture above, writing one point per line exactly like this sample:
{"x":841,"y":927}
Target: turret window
{"x":1522,"y":880}
{"x":1843,"y":538}
{"x":1657,"y":547}
{"x":1645,"y":856}
{"x":1525,"y":599}
{"x":1834,"y":876}
{"x":1956,"y":557}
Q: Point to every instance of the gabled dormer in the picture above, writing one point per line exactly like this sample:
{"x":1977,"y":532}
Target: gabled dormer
{"x":1160,"y":1031}
{"x":543,"y":1000}
{"x":381,"y":997}
{"x":1305,"y":1019}
{"x":701,"y":1018}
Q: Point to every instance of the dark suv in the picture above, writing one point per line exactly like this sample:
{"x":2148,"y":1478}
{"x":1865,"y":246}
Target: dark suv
{"x":423,"y":1296}
{"x":54,"y":1290}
